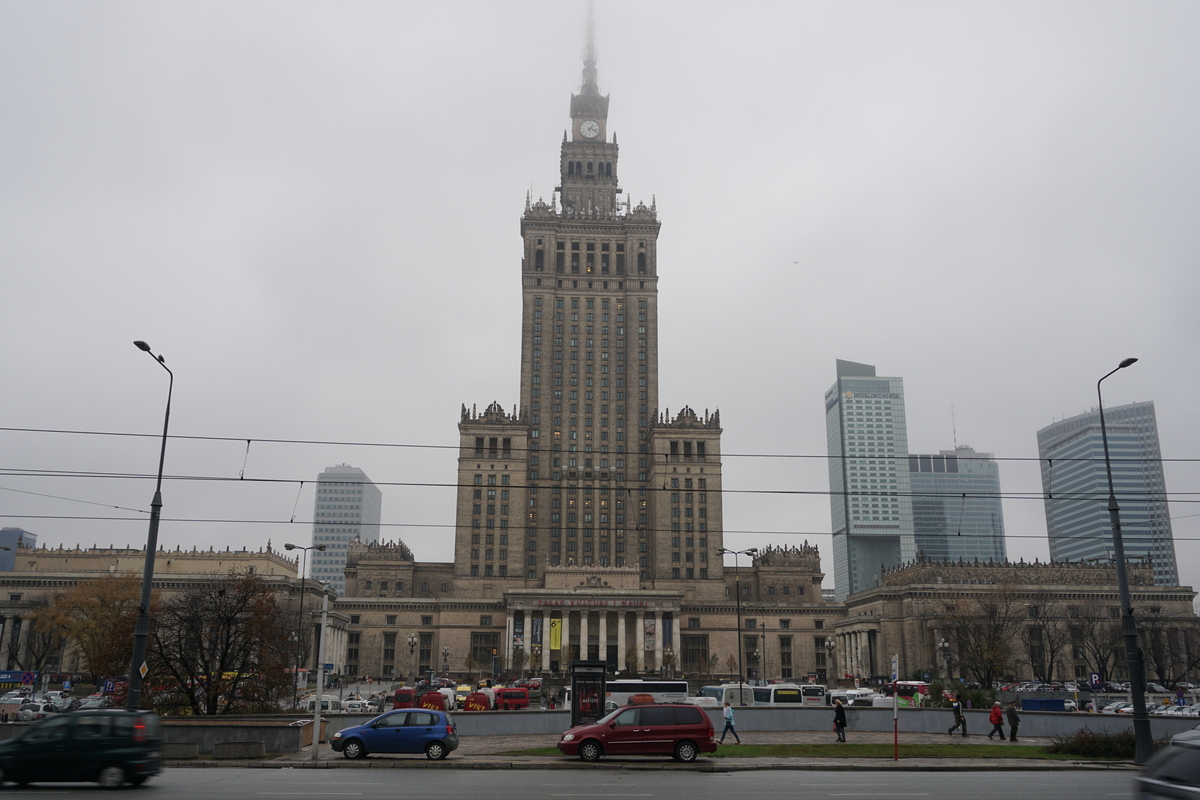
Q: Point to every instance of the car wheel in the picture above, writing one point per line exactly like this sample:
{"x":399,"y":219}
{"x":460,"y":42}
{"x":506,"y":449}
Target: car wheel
{"x":111,"y":777}
{"x":435,"y":751}
{"x":590,"y":750}
{"x":353,"y":749}
{"x":686,"y":752}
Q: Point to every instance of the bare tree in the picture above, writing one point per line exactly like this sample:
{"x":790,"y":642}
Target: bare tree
{"x":1045,"y":636}
{"x":982,"y":629}
{"x":223,"y":646}
{"x":1096,"y":630}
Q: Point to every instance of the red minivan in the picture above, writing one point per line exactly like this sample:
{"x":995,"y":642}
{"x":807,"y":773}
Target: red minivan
{"x":509,"y":698}
{"x":677,"y":730}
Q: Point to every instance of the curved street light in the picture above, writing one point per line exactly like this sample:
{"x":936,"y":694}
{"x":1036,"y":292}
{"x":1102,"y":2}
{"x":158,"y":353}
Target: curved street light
{"x":412,"y":658}
{"x":737,"y":582}
{"x":300,"y":620}
{"x":830,"y":647}
{"x":141,"y":632}
{"x":1134,"y":660}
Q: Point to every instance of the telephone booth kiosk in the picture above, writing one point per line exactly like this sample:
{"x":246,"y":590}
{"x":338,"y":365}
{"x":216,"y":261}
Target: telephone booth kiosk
{"x":587,"y":692}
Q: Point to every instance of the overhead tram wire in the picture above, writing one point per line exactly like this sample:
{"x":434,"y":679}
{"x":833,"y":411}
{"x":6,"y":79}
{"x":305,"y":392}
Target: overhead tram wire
{"x":335,"y":443}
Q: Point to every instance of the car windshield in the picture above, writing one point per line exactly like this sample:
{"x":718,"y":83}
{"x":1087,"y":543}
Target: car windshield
{"x":607,"y":718}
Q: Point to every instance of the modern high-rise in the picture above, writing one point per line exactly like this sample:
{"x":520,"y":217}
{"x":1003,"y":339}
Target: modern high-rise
{"x":10,"y":540}
{"x":1075,"y":485}
{"x":869,"y":487}
{"x":347,"y":508}
{"x":956,"y":507}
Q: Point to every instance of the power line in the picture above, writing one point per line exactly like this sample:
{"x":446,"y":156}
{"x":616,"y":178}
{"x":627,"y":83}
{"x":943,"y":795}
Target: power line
{"x":335,"y":443}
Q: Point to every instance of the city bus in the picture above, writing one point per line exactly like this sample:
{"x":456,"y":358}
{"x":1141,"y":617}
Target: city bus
{"x":662,"y":691}
{"x":907,"y":693}
{"x":736,"y":694}
{"x":789,"y":694}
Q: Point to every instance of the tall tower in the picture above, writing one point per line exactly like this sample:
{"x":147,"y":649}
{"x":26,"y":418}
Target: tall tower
{"x":1075,"y":484}
{"x":581,"y":471}
{"x":347,"y":508}
{"x":956,"y":505}
{"x":869,"y":490}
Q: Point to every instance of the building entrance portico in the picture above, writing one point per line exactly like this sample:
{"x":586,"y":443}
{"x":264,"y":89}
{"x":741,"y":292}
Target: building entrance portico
{"x":593,"y":620}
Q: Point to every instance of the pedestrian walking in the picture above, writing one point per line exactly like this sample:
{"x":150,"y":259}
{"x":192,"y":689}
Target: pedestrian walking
{"x":729,"y":726}
{"x":839,"y":719}
{"x":1014,"y":721}
{"x":959,"y":720}
{"x":996,"y":717}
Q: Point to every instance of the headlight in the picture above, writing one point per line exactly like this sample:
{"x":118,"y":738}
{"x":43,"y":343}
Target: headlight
{"x":337,"y":735}
{"x":568,"y":737}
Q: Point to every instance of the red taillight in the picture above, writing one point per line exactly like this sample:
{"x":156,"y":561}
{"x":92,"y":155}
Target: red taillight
{"x":139,"y":730}
{"x":449,"y":729}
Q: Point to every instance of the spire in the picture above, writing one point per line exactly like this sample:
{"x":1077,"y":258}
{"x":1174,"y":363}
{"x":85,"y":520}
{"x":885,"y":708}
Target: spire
{"x":589,"y":53}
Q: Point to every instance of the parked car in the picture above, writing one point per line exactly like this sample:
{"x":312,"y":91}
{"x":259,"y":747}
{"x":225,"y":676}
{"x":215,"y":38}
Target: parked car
{"x":405,"y":730}
{"x":30,"y":712}
{"x":109,"y":746}
{"x":1115,"y":708}
{"x":675,"y":729}
{"x":1173,"y":771}
{"x":1156,"y":688}
{"x":356,"y":707}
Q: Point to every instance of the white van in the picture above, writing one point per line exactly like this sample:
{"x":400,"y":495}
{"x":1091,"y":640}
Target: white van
{"x":329,"y":704}
{"x":733,"y":693}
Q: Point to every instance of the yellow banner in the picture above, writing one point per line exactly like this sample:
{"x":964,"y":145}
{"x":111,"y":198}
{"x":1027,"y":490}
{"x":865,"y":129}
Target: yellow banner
{"x":555,"y":634}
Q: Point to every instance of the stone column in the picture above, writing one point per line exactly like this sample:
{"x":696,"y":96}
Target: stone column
{"x":676,"y":639}
{"x":565,"y":637}
{"x":583,"y":634}
{"x":546,"y":616}
{"x":527,"y":637}
{"x":621,"y":644}
{"x":603,"y":622}
{"x":5,"y":633}
{"x":506,"y":647}
{"x":658,"y":640}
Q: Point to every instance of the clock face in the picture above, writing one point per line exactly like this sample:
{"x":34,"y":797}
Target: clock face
{"x":590,"y":128}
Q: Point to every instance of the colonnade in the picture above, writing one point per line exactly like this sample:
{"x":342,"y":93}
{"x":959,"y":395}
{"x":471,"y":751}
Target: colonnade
{"x":586,"y":626}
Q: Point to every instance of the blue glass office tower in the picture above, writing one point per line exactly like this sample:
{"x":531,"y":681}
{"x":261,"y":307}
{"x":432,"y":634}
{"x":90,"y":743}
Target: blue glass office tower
{"x":869,"y":491}
{"x":956,"y":505}
{"x":1076,"y":488}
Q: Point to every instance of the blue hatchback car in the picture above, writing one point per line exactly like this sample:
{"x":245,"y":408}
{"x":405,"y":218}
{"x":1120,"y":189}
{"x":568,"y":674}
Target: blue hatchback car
{"x":404,"y":730}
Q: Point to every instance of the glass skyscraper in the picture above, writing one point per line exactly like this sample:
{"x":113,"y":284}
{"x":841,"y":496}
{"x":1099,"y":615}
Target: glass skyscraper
{"x":1075,"y":485}
{"x":956,"y":505}
{"x":348,"y":507}
{"x":869,"y":487}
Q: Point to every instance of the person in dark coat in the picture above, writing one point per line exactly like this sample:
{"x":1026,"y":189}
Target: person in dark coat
{"x":996,"y":717}
{"x":959,"y":720}
{"x":839,"y":719}
{"x":1014,"y":721}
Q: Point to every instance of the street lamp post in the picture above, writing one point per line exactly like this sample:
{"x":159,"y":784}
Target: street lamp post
{"x":446,"y":661}
{"x":1134,"y":660}
{"x":141,"y":632}
{"x":830,"y":648}
{"x":944,"y":648}
{"x":412,"y":657}
{"x":300,"y":620}
{"x":737,"y":591}
{"x":668,"y":661}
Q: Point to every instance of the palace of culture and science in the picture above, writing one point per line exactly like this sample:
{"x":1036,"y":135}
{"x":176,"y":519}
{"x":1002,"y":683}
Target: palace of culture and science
{"x":589,"y":521}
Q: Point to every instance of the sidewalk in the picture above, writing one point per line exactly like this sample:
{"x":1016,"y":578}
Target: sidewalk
{"x":493,"y":752}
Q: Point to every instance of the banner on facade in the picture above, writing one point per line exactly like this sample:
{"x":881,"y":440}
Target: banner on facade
{"x":556,"y":634}
{"x":648,"y":633}
{"x":518,"y":641}
{"x":536,"y":631}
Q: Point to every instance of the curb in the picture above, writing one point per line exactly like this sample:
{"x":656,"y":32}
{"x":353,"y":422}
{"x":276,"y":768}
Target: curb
{"x":847,"y":765}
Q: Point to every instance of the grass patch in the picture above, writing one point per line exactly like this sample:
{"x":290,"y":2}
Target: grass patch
{"x":869,"y":750}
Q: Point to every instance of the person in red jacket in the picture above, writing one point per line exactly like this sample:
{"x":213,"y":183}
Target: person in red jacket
{"x":997,"y":720}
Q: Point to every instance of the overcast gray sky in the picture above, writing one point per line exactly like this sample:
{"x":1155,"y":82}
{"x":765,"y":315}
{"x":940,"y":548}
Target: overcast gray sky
{"x":311,"y":210}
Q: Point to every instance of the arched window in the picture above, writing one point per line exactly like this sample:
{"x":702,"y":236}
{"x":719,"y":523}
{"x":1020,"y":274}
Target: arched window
{"x":641,"y":263}
{"x":578,"y":167}
{"x":608,"y":169}
{"x":539,"y":260}
{"x":570,"y":168}
{"x":589,"y":166}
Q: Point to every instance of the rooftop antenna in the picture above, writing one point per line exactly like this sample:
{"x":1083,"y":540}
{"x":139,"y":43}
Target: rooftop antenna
{"x":953,"y":427}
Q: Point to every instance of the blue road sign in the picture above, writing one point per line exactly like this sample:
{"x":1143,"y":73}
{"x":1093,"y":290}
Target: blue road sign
{"x":109,"y":687}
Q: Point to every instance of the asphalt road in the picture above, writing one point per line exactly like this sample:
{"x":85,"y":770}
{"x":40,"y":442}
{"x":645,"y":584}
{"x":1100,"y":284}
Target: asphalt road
{"x":634,"y":783}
